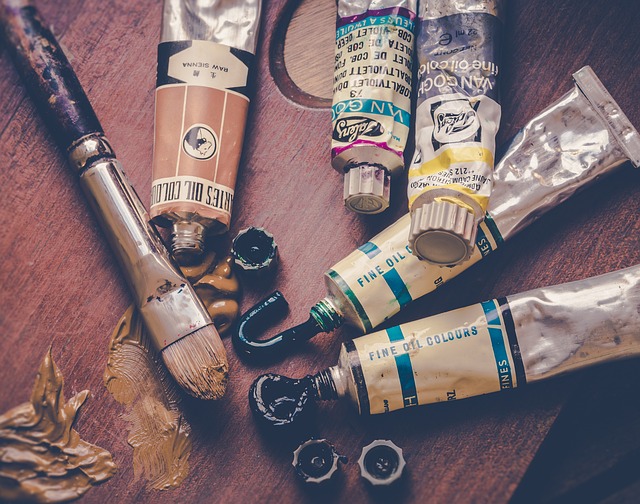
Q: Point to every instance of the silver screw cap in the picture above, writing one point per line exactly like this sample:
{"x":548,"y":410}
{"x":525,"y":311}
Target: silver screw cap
{"x":187,"y":241}
{"x":381,"y":462}
{"x":442,"y":233}
{"x":366,"y":189}
{"x":316,"y":461}
{"x":255,"y":251}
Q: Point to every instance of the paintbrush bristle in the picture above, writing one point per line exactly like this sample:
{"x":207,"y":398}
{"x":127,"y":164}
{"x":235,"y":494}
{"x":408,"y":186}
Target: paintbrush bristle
{"x":198,"y":362}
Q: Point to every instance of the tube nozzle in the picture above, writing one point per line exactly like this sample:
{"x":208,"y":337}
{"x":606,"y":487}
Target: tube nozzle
{"x":187,"y":241}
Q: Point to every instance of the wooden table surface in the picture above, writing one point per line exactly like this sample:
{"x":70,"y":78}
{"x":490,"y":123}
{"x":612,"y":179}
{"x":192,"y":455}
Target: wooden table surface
{"x":575,"y":437}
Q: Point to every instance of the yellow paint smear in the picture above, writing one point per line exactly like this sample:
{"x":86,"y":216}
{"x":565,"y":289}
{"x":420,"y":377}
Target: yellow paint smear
{"x":42,"y":458}
{"x":136,"y":377}
{"x":158,"y":433}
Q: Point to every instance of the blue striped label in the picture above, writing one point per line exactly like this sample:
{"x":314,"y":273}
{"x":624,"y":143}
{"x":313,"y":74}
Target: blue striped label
{"x":373,"y":107}
{"x":493,"y":228}
{"x":392,"y":277}
{"x":405,"y":370}
{"x":496,"y":334}
{"x":491,"y":313}
{"x":482,"y":243}
{"x":370,"y":249}
{"x":344,"y":287}
{"x":394,"y":16}
{"x":398,"y":287}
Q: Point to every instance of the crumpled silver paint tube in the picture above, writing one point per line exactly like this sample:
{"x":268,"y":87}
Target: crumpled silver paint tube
{"x":581,"y":137}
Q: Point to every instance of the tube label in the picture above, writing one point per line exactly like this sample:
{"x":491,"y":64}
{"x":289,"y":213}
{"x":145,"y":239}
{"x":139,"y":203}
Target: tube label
{"x":372,"y":85}
{"x":382,"y":276}
{"x":462,"y":353}
{"x":457,"y":113}
{"x":201,"y":108}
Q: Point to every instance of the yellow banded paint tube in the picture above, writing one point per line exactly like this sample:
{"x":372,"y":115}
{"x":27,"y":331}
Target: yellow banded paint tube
{"x":457,"y":118}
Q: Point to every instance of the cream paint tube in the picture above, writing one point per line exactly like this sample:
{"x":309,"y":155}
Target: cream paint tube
{"x":488,"y":347}
{"x":575,"y":141}
{"x":371,"y":109}
{"x":457,"y":118}
{"x":204,"y":61}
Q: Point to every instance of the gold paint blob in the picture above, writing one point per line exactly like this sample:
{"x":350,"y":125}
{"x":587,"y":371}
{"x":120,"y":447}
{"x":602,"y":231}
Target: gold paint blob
{"x":194,"y":272}
{"x":219,"y":290}
{"x":158,"y":433}
{"x":42,"y":458}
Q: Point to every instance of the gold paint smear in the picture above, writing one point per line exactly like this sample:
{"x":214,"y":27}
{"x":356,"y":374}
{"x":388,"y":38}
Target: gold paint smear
{"x":158,"y":433}
{"x":42,"y":458}
{"x":217,"y":285}
{"x":136,"y":377}
{"x":163,"y":458}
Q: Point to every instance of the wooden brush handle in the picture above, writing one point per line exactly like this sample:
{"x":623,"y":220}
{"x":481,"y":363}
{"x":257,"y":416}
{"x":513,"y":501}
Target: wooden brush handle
{"x":47,"y":74}
{"x":168,"y":304}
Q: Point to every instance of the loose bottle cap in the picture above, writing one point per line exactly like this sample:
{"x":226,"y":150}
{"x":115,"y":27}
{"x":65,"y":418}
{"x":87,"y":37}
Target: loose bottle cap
{"x":442,"y":233}
{"x":316,"y":460}
{"x":366,"y":189}
{"x":381,"y":462}
{"x":254,"y":250}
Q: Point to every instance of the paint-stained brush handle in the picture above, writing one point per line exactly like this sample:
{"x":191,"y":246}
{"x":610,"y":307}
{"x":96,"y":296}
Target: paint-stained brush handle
{"x":47,"y":74}
{"x":167,"y":302}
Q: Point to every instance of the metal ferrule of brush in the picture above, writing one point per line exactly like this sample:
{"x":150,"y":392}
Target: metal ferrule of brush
{"x":167,"y":302}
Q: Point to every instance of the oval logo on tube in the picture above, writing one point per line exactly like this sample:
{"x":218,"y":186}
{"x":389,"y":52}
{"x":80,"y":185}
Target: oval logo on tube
{"x":200,"y":142}
{"x":454,"y":121}
{"x":348,"y":130}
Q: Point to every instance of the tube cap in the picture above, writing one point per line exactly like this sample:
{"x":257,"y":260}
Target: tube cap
{"x":381,"y":462}
{"x":442,"y":233}
{"x":366,"y":189}
{"x":255,"y":251}
{"x":316,"y":461}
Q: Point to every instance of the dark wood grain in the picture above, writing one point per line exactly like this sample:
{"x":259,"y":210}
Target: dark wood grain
{"x":61,"y":286}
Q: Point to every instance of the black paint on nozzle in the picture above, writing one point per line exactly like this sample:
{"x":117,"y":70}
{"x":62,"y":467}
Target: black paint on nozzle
{"x":279,"y":402}
{"x":265,"y":313}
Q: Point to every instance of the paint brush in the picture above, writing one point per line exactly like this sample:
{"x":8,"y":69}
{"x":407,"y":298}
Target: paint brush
{"x":175,"y":317}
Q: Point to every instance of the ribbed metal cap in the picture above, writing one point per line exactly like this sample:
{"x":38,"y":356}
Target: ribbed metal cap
{"x":381,"y":462}
{"x":254,"y":251}
{"x":316,"y":461}
{"x":442,"y":233}
{"x":366,"y":189}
